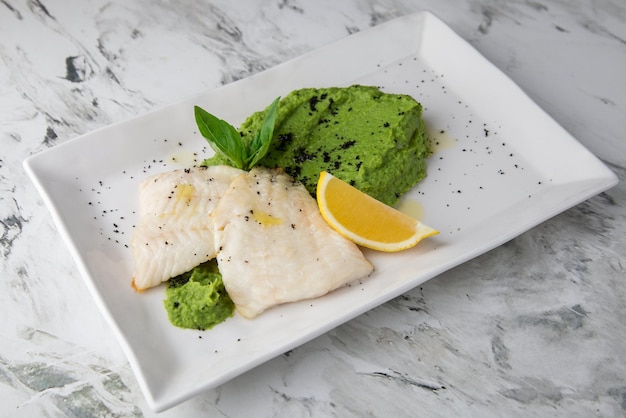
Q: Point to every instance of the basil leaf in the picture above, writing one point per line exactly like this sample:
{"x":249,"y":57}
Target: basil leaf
{"x":222,"y":137}
{"x":260,"y":144}
{"x":227,"y":142}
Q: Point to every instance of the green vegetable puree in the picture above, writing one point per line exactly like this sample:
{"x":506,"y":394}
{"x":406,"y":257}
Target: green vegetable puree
{"x":370,"y":139}
{"x":197,"y":299}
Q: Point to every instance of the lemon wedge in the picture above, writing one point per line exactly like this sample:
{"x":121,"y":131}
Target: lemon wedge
{"x":365,"y":220}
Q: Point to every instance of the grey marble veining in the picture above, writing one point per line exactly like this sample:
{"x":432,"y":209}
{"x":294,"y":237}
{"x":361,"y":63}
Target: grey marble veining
{"x":532,"y":328}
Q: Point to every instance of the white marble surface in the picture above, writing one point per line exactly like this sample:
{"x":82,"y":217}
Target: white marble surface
{"x":532,"y":328}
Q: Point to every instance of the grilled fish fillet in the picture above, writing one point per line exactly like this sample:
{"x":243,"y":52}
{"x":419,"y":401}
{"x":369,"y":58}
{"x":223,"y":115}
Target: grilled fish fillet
{"x":175,"y":232}
{"x":275,"y":247}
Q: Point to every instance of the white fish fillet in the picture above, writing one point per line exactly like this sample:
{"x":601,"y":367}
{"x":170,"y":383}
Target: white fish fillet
{"x":275,"y":247}
{"x":175,"y":232}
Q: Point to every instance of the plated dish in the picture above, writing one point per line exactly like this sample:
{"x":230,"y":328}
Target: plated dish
{"x":500,"y":166}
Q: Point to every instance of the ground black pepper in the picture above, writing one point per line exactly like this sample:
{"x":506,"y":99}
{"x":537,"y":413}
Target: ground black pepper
{"x":347,"y":144}
{"x":313,"y":103}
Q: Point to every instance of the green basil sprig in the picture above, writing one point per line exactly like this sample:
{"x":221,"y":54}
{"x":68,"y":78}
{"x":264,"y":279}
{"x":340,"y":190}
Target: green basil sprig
{"x":225,"y":140}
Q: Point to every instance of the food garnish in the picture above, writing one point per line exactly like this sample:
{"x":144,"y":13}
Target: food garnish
{"x":365,"y":220}
{"x":227,"y":142}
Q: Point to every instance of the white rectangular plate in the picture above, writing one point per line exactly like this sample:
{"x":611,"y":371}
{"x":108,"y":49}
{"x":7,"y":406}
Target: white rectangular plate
{"x":500,"y":166}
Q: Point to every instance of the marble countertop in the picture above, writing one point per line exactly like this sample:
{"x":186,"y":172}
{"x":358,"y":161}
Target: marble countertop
{"x":532,"y":328}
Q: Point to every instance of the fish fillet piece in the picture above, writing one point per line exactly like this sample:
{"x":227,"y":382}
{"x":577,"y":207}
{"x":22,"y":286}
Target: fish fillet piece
{"x":275,"y":247}
{"x":175,"y":232}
